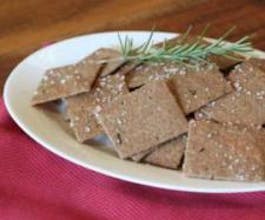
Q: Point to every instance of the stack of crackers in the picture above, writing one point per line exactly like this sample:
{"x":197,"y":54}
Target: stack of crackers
{"x":195,"y":119}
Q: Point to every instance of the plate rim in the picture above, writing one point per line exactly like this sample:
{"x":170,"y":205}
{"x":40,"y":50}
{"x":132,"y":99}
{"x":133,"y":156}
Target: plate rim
{"x":79,"y":162}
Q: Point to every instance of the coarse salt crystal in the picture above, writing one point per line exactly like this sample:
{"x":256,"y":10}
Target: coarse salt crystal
{"x":200,"y":115}
{"x":212,"y":104}
{"x":239,"y":89}
{"x":209,"y":135}
{"x":120,"y":86}
{"x":62,"y":81}
{"x":102,"y":83}
{"x":119,"y":121}
{"x":236,"y":84}
{"x":98,"y":108}
{"x":182,"y":72}
{"x":87,"y":129}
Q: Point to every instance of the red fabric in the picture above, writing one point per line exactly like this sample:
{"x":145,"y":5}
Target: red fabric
{"x":36,"y":184}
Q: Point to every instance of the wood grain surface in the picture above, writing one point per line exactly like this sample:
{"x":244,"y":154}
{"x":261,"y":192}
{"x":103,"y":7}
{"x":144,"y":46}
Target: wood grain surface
{"x":28,"y":25}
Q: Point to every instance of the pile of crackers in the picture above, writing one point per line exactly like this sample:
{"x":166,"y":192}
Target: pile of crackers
{"x":206,"y":120}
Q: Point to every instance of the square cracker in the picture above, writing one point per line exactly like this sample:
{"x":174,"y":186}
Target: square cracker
{"x":247,"y":77}
{"x":158,"y":153}
{"x":82,"y":121}
{"x":244,"y":106}
{"x":113,"y":60}
{"x":198,"y":87}
{"x":69,"y":80}
{"x":80,"y":107}
{"x":142,"y":119}
{"x":169,"y":154}
{"x":139,"y":156}
{"x":224,"y":152}
{"x":260,"y":63}
{"x":127,"y":68}
{"x":147,"y":72}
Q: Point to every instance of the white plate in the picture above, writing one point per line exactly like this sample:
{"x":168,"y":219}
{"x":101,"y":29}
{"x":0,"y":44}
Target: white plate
{"x":18,"y":91}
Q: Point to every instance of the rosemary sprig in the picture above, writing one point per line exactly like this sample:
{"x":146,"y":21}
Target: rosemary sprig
{"x":183,"y":51}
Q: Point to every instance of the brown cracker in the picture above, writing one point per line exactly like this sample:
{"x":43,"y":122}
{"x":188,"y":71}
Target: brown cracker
{"x":244,"y":106}
{"x":113,"y":60}
{"x":224,"y":152}
{"x":260,"y":63}
{"x":169,"y":154}
{"x":82,"y":120}
{"x":147,"y":72}
{"x":127,"y":68}
{"x":142,"y":119}
{"x":66,"y":81}
{"x":225,"y":63}
{"x":247,"y":77}
{"x":138,"y":157}
{"x":80,"y":108}
{"x":197,"y":88}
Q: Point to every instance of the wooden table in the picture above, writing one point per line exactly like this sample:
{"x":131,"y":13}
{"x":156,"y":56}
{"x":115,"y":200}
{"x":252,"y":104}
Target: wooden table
{"x":28,"y":25}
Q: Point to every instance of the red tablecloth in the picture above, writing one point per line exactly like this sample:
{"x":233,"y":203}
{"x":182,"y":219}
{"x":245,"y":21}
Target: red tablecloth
{"x":36,"y":184}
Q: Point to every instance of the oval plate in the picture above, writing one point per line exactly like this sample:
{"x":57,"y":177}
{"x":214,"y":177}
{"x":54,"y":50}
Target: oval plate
{"x":19,"y":89}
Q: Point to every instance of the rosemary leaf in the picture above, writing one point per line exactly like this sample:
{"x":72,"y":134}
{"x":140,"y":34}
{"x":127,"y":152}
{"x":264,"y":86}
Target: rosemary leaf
{"x":183,"y":51}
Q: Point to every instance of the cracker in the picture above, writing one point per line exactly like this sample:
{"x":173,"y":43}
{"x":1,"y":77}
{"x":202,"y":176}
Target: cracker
{"x":225,"y":63}
{"x":142,"y":119}
{"x":244,"y":106}
{"x":138,"y":157}
{"x":169,"y":154}
{"x":224,"y":152}
{"x":80,"y":108}
{"x":127,"y":68}
{"x":260,"y":63}
{"x":66,"y":81}
{"x":113,"y":60}
{"x":197,"y":88}
{"x":82,"y":120}
{"x":247,"y":77}
{"x":153,"y":71}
